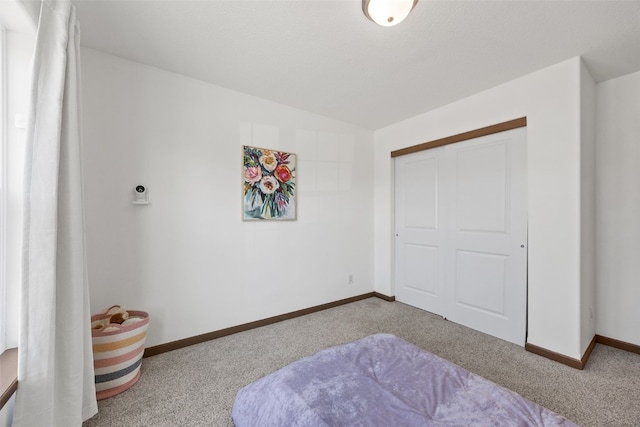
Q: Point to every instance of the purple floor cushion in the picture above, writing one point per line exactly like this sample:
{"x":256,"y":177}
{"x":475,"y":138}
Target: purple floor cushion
{"x":382,"y":380}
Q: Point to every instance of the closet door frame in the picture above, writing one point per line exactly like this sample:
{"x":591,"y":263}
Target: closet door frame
{"x":477,"y":133}
{"x":466,"y":136}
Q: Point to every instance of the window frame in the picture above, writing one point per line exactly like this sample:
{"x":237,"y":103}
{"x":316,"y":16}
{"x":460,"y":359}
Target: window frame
{"x":8,"y":357}
{"x":4,"y":177}
{"x":19,"y":18}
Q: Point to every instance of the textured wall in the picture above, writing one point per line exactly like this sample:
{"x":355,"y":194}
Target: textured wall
{"x":618,"y":208}
{"x":550,"y":99}
{"x":188,"y":258}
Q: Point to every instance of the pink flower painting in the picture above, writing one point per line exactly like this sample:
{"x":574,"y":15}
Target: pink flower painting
{"x":269,"y":184}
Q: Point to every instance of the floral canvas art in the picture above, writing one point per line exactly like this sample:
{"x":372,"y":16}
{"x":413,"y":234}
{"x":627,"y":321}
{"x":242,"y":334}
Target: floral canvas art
{"x":269,"y":184}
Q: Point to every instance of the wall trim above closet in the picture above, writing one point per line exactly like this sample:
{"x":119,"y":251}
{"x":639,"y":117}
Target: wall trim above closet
{"x":489,"y":130}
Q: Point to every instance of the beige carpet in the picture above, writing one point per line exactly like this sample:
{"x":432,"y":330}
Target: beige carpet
{"x":196,"y":386}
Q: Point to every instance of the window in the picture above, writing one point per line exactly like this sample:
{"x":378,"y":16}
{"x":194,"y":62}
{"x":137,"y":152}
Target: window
{"x":17,"y":38}
{"x":3,"y":195}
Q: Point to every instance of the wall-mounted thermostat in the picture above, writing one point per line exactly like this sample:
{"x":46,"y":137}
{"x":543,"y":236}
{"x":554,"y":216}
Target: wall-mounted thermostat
{"x":140,"y":195}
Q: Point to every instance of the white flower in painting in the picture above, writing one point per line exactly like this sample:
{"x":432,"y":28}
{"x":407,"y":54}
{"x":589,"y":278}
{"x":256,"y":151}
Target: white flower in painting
{"x":268,"y":184}
{"x":268,"y":160}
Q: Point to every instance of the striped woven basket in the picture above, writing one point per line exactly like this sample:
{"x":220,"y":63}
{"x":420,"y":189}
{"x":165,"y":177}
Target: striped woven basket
{"x":117,"y":355}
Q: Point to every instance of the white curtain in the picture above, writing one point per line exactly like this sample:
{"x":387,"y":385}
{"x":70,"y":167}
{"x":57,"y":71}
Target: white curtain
{"x":55,"y":363}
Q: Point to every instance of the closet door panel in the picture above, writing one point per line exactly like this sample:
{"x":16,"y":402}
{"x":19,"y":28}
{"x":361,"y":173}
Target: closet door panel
{"x":486,"y":234}
{"x":461,"y":233}
{"x":419,"y":233}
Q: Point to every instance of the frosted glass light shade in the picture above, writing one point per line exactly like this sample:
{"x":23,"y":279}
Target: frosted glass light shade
{"x":387,"y":12}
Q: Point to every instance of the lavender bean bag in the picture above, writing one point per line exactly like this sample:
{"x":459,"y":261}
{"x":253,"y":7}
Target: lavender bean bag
{"x":382,"y":380}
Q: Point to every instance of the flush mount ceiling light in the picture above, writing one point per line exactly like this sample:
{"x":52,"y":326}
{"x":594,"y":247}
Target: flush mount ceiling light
{"x":387,"y":12}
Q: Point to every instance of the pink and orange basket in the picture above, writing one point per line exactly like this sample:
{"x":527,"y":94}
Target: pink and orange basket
{"x":117,"y":349}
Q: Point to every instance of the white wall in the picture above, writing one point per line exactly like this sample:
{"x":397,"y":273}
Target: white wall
{"x":618,"y":208}
{"x":31,"y":8}
{"x":188,"y":258}
{"x":192,"y":263}
{"x":587,"y":208}
{"x":551,"y":101}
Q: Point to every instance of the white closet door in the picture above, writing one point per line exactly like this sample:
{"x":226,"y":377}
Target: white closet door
{"x":419,"y":230}
{"x":486,"y":234}
{"x":461,"y":233}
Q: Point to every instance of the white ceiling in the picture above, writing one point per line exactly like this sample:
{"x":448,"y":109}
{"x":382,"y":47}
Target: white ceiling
{"x":324,"y":56}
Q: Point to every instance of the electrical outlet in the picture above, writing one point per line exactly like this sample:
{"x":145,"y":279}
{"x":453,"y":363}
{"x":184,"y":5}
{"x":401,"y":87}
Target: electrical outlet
{"x":350,"y":282}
